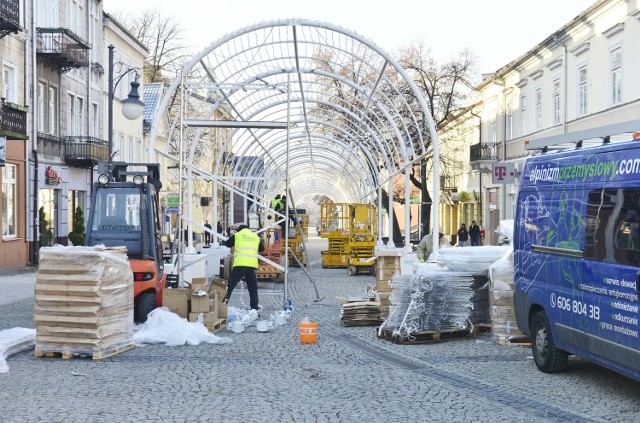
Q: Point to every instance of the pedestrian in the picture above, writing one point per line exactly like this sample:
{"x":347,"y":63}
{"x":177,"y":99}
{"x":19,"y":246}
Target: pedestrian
{"x":474,"y":234}
{"x":246,"y":246}
{"x":219,"y":228}
{"x":425,"y":247}
{"x":463,"y":235}
{"x":207,"y":234}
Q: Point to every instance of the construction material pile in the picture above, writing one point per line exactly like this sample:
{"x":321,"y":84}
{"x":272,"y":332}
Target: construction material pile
{"x":431,"y":300}
{"x":503,"y":318}
{"x":480,"y":315}
{"x":361,"y":313}
{"x":84,"y":301}
{"x":361,"y":309}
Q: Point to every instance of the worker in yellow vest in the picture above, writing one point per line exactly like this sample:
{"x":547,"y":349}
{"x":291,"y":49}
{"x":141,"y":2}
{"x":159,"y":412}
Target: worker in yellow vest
{"x":246,"y":246}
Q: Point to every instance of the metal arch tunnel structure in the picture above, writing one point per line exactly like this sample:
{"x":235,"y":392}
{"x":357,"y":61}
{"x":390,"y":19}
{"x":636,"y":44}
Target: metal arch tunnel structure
{"x":320,"y":109}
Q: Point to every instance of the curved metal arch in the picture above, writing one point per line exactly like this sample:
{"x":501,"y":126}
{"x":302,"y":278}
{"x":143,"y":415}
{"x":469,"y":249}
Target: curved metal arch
{"x":418,"y":143}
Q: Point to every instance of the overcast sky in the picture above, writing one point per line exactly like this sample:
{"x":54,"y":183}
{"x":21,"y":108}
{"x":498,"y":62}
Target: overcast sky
{"x":497,"y":31}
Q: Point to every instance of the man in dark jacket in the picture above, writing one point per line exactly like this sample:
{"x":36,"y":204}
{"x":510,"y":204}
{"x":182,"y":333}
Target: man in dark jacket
{"x":246,"y":246}
{"x":463,"y":235}
{"x":474,"y":234}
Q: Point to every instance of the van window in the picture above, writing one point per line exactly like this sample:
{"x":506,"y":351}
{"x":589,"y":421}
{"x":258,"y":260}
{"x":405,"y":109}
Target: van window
{"x":613,"y":226}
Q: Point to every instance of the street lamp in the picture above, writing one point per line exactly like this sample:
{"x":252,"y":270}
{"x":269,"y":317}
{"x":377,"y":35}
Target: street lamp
{"x":132,"y":107}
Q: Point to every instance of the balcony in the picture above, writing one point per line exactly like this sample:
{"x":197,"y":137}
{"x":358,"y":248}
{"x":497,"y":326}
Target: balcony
{"x":59,"y":48}
{"x":9,"y":17}
{"x":448,"y":183}
{"x":483,"y":152}
{"x":13,"y":121}
{"x":85,"y":152}
{"x":49,"y":145}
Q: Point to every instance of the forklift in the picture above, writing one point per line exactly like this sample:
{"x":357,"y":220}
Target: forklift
{"x":125,"y":212}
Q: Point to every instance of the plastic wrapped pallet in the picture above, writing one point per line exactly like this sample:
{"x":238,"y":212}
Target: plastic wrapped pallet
{"x":503,"y":320}
{"x":84,"y":301}
{"x":431,"y":300}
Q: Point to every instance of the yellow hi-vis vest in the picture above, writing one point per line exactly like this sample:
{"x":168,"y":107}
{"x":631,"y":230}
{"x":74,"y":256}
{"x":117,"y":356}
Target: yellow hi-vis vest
{"x":245,"y":247}
{"x":276,"y":204}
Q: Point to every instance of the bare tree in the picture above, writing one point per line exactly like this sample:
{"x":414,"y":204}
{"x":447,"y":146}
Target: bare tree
{"x":164,"y":37}
{"x":447,"y":88}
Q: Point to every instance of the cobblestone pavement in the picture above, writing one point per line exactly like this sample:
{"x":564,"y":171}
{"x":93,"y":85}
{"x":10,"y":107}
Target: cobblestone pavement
{"x":348,"y":376}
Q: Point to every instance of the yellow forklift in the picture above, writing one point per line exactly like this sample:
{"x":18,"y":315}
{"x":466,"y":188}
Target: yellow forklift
{"x":362,"y":238}
{"x":334,"y":226}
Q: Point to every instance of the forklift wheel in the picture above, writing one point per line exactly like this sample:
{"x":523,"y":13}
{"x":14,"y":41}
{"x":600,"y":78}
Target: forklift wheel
{"x":146,"y":304}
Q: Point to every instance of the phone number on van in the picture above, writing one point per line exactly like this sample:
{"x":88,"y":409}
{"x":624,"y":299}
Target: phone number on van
{"x":575,"y":306}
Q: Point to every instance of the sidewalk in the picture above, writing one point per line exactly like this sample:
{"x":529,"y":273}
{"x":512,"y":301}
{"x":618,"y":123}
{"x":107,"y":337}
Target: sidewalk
{"x":17,"y":284}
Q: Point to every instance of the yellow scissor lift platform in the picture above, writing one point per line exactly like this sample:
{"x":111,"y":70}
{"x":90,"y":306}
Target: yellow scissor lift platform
{"x":362,"y":238}
{"x":298,"y":237}
{"x":334,"y":226}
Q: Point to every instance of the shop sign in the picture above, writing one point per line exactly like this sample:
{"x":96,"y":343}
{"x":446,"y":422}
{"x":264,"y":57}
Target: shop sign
{"x":51,"y":177}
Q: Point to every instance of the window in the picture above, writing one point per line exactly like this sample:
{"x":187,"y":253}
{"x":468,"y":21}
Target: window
{"x":615,"y":65}
{"x":523,"y":115}
{"x":9,"y":204}
{"x":538,"y":109}
{"x":556,"y":101}
{"x":582,"y":90}
{"x":94,"y":120}
{"x":9,"y":83}
{"x":42,"y":88}
{"x":509,"y":124}
{"x":75,"y":120}
{"x":613,"y":226}
{"x":52,"y":111}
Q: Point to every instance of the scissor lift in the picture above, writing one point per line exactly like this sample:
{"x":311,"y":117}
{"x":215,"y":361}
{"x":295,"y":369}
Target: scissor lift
{"x":298,"y":237}
{"x":334,"y":226}
{"x":362,"y":238}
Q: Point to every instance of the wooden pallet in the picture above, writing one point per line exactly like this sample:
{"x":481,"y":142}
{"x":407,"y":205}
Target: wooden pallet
{"x":424,"y":337}
{"x":521,"y":340}
{"x":481,"y":329}
{"x":219,"y":324}
{"x":97,"y":354}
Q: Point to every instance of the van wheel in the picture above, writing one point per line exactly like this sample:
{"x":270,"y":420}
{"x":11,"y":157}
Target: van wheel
{"x":548,"y":358}
{"x":352,"y":270}
{"x":146,"y":304}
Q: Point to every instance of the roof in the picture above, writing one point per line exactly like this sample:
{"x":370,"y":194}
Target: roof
{"x":151,"y":97}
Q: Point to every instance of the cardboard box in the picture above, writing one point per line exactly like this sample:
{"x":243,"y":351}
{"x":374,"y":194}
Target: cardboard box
{"x":177,"y":300}
{"x":219,"y":286}
{"x":388,"y":263}
{"x":199,"y":302}
{"x":386,"y":274}
{"x":383,"y":286}
{"x":222,"y":310}
{"x":207,"y":318}
{"x":198,"y":283}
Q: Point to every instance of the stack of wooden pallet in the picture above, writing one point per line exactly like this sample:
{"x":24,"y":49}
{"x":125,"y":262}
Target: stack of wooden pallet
{"x":387,"y":266}
{"x":361,"y":313}
{"x":84,"y":302}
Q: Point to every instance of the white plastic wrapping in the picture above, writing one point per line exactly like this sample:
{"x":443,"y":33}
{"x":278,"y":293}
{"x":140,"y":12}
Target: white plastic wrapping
{"x":165,"y":327}
{"x":13,"y":341}
{"x":503,"y":320}
{"x":473,"y":260}
{"x":84,"y":300}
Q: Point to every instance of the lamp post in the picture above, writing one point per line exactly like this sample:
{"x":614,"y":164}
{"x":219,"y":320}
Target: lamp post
{"x":132,"y":107}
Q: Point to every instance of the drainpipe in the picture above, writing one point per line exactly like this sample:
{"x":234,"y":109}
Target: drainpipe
{"x":34,"y":136}
{"x":564,"y":82}
{"x":479,"y":170}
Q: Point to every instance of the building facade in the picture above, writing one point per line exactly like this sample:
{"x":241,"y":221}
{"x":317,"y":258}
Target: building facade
{"x":580,"y":77}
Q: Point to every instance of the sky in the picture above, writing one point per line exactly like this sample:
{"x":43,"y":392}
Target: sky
{"x":497,"y":31}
